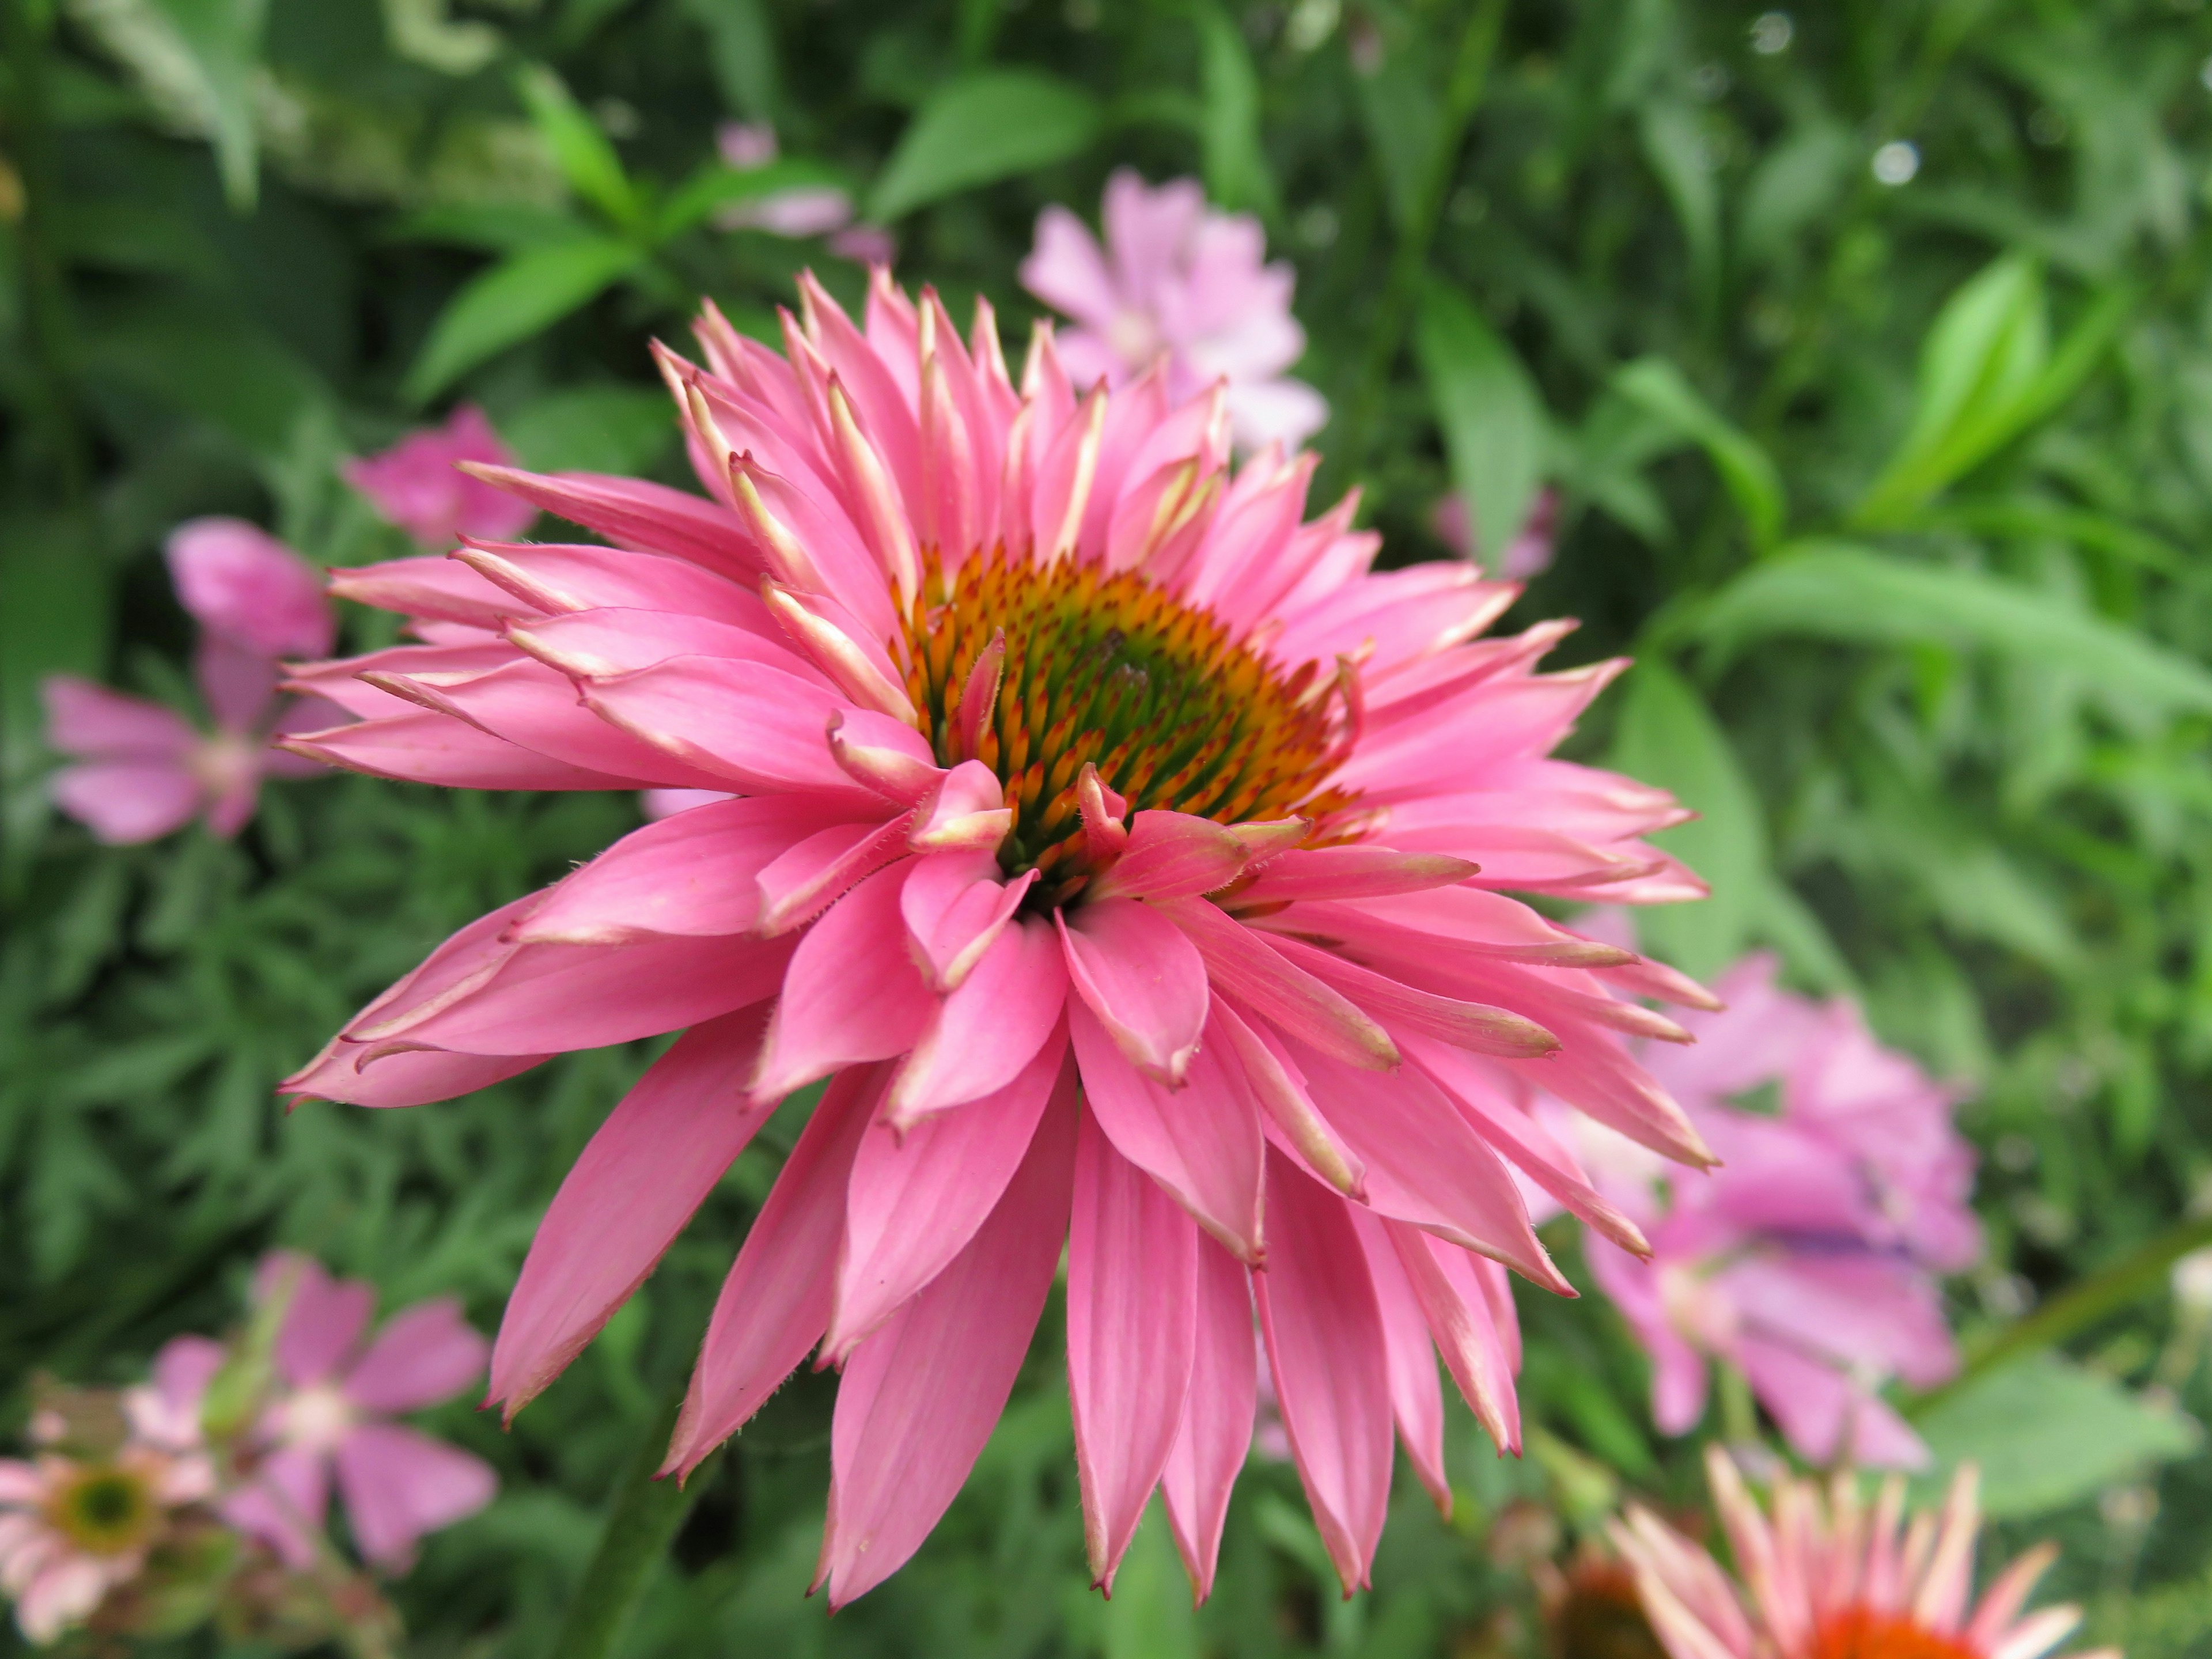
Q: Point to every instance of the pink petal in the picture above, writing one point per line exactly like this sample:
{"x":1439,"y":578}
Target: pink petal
{"x":631,"y":512}
{"x":1463,"y":1320}
{"x":427,"y":587}
{"x":415,"y":483}
{"x":1325,"y":1348}
{"x":423,"y":747}
{"x":554,"y":579}
{"x":1172,"y":855}
{"x":238,"y":683}
{"x":691,"y":874}
{"x":323,"y":1317}
{"x":1132,"y":1339}
{"x":851,"y":994}
{"x":399,"y":1484}
{"x":954,"y":904}
{"x":1202,"y":1142}
{"x":758,"y":727}
{"x":777,"y":1300}
{"x":87,"y":720}
{"x":1137,"y":972}
{"x":423,"y":1356}
{"x":916,"y":1200}
{"x":124,"y":802}
{"x":1250,"y":969}
{"x":987,"y":1030}
{"x":1417,"y":1401}
{"x":629,"y":1193}
{"x":1067,"y":270}
{"x":804,"y":879}
{"x":920,"y":1397}
{"x":284,"y":1506}
{"x":1216,"y":1431}
{"x":359,"y":1075}
{"x":1347,"y":872}
{"x":239,"y":582}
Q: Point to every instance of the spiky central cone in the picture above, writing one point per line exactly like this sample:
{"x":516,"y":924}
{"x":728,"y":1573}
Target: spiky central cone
{"x":1862,"y":1633}
{"x":1106,"y":668}
{"x":104,"y":1510}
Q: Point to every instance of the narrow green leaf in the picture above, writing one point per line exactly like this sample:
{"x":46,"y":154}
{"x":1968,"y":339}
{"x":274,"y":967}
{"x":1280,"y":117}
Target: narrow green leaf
{"x":1794,"y":183}
{"x":493,"y":227}
{"x":587,"y":161}
{"x":1750,"y":476}
{"x":1235,"y":165}
{"x":1493,"y":417}
{"x":741,"y":48}
{"x":979,"y":129}
{"x":516,"y":299}
{"x":222,"y":39}
{"x":1678,"y":152}
{"x":1403,"y":118}
{"x":715,"y":187}
{"x":1667,"y":736}
{"x":1838,"y":591}
{"x":592,"y":428}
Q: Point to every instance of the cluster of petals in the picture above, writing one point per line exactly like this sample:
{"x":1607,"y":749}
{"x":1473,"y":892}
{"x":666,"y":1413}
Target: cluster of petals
{"x":1832,"y":1577}
{"x":57,"y":1570}
{"x":1295,"y":1100}
{"x":1810,"y":1259}
{"x":418,"y":484}
{"x":1178,"y":280}
{"x":330,"y":1412}
{"x":139,"y":769}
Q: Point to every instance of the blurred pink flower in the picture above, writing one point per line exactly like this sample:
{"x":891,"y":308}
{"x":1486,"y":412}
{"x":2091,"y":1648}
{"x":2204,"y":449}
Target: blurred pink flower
{"x":331,"y":1410}
{"x":1177,"y":279}
{"x":142,"y":770}
{"x":1809,"y":1260}
{"x":418,"y":485}
{"x":1527,"y":555}
{"x":1830,"y":1577}
{"x":801,"y":209}
{"x":72,"y":1528}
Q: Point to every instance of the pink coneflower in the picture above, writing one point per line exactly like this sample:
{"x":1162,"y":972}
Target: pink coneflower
{"x":1810,"y":1259}
{"x":419,"y":485}
{"x":73,"y":1528}
{"x":1128,"y":859}
{"x":331,"y":1414}
{"x":1178,"y":281}
{"x":1831,"y":1578}
{"x":141,"y":769}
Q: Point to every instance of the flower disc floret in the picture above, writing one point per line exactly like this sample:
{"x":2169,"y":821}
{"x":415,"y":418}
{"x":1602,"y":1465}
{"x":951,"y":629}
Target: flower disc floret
{"x":105,"y":1509}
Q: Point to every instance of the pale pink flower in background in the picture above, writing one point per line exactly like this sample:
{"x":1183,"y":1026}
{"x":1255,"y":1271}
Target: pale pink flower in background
{"x":331,"y":1414}
{"x":799,"y":210}
{"x":141,"y":769}
{"x":1131,"y":861}
{"x":1829,"y":1576}
{"x":1810,"y":1259}
{"x":1528,"y":555}
{"x":1178,"y":280}
{"x":73,"y":1529}
{"x":418,"y":483}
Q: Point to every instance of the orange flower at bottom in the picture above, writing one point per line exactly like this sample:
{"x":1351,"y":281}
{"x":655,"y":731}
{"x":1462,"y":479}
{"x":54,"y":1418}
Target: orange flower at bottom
{"x":1827,"y":1577}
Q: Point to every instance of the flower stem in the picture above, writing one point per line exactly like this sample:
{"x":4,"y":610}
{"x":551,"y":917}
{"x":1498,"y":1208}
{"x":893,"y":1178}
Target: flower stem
{"x":641,"y":1523}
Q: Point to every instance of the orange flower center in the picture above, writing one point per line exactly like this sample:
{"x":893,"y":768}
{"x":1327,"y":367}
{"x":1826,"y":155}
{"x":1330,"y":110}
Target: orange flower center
{"x":1105,"y":667}
{"x":1862,"y":1633}
{"x":103,"y":1509}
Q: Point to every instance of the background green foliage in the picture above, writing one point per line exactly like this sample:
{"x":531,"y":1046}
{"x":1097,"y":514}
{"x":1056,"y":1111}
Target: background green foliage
{"x":1900,"y":493}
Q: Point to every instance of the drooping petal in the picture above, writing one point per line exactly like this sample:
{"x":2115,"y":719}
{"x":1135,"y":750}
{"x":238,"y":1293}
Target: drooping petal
{"x":629,"y":1193}
{"x":1325,"y":1350}
{"x":399,"y":1484}
{"x":1416,"y":1401}
{"x":1463,"y":1319}
{"x":1132,"y":1339}
{"x":1216,"y":1431}
{"x":920,"y":1397}
{"x":1248,"y":968}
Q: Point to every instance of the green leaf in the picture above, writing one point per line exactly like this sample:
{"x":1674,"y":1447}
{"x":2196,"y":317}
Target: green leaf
{"x":1677,"y":150}
{"x":1150,"y":1615}
{"x":716,"y":186}
{"x":1667,"y":736}
{"x":1493,"y":417}
{"x":741,"y":49}
{"x":198,"y":355}
{"x":222,"y":40}
{"x":1403,"y":118}
{"x":56,"y":602}
{"x":1235,"y":165}
{"x":516,"y":299}
{"x":1838,"y":591}
{"x":2047,"y":1433}
{"x":493,"y":227}
{"x":979,"y":129}
{"x":586,"y":159}
{"x":592,"y":428}
{"x":1750,"y":476}
{"x":1794,"y":183}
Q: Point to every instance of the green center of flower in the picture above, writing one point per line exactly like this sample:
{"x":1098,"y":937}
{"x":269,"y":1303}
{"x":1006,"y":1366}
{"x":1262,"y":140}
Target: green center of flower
{"x":1105,"y":668}
{"x":104,"y":1510}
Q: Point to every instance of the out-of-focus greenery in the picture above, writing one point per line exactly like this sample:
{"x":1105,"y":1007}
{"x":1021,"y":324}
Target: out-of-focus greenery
{"x":1897,"y":479}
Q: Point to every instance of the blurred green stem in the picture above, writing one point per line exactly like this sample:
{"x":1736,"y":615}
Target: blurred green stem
{"x":2082,"y":1304}
{"x":1478,"y":46}
{"x":641,"y":1523}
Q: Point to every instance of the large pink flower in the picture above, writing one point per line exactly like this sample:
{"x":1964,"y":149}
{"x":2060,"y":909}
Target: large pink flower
{"x":1810,"y":1259}
{"x":1129,"y":859}
{"x":1834,"y":1578}
{"x":418,"y":483}
{"x":142,"y":770}
{"x":332,"y":1411}
{"x":1179,"y":281}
